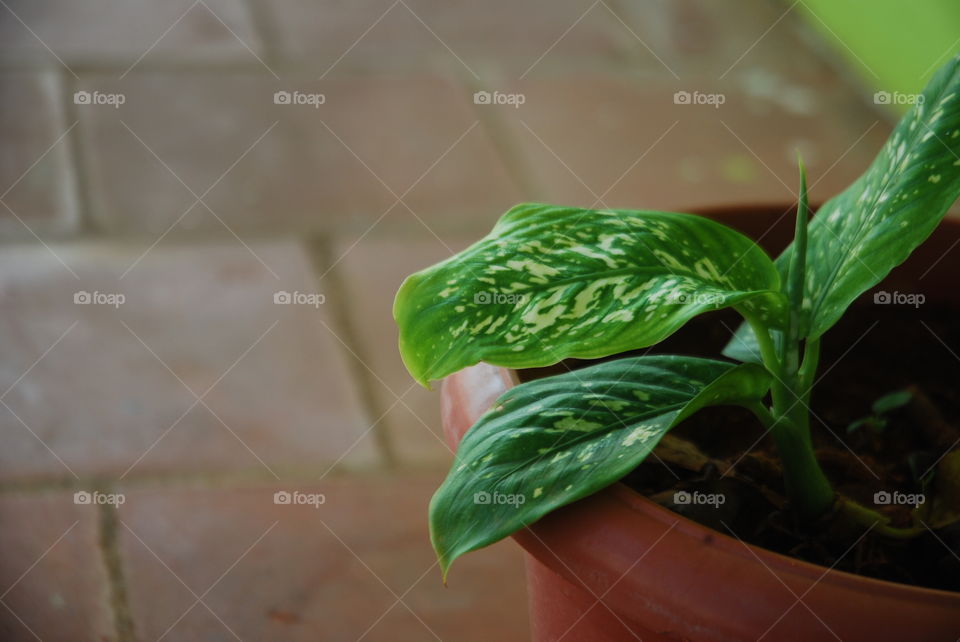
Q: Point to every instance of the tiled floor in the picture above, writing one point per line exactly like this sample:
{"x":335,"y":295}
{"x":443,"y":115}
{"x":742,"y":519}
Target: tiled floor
{"x":161,"y":203}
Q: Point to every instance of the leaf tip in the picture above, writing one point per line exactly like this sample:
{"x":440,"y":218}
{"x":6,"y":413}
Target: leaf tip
{"x":444,"y":572}
{"x":445,"y":562}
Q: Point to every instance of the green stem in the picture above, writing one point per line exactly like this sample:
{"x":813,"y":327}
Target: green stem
{"x":808,"y":370}
{"x":762,"y":413}
{"x":767,"y":350}
{"x":788,"y":421}
{"x":806,"y":485}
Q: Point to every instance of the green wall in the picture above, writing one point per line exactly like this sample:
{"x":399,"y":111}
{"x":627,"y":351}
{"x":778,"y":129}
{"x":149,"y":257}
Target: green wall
{"x":895,"y":44}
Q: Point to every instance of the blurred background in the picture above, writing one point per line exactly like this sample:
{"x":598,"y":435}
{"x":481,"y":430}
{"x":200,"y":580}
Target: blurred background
{"x":207,"y":206}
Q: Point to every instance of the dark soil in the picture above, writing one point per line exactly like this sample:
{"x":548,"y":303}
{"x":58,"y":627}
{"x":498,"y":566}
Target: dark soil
{"x":874,"y":350}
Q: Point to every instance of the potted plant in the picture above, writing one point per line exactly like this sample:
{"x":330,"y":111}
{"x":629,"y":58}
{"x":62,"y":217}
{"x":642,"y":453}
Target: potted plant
{"x":542,"y":459}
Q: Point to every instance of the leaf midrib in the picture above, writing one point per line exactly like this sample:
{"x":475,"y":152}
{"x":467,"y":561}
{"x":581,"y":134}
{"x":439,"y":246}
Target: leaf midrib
{"x":594,"y":276}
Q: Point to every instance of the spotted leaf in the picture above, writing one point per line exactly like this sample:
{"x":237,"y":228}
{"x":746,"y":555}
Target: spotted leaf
{"x":555,"y":282}
{"x":860,"y":235}
{"x":549,"y":442}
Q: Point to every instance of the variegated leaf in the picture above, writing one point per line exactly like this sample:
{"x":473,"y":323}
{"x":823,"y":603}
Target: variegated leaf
{"x":555,"y":282}
{"x":860,"y":235}
{"x":549,"y":442}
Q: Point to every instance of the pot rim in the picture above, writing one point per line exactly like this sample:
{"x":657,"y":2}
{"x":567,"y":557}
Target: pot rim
{"x":636,"y":501}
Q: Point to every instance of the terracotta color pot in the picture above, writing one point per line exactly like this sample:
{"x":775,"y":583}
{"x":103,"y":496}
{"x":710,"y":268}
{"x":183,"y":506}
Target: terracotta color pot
{"x":616,"y":566}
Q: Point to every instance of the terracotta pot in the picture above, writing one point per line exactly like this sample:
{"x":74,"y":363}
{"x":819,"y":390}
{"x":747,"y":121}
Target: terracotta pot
{"x":616,"y":566}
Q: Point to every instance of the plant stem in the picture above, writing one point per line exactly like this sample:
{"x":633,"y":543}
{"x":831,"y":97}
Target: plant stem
{"x":768,"y":351}
{"x":806,"y":485}
{"x":808,"y":369}
{"x":762,"y":413}
{"x":788,"y":421}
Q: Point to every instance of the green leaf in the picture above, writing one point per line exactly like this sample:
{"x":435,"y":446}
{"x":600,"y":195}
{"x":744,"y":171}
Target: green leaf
{"x":857,"y":237}
{"x":549,"y":442}
{"x":743,"y":345}
{"x":892,"y":401}
{"x":870,"y":422}
{"x":860,"y":235}
{"x":795,"y":282}
{"x":550,"y":283}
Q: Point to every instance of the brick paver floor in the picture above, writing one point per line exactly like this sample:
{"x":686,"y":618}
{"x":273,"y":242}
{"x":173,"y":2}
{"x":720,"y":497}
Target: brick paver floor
{"x":207,"y":207}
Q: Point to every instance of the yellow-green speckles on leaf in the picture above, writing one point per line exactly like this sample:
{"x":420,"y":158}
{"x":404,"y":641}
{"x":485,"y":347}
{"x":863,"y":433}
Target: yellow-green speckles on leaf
{"x":537,"y":492}
{"x":577,"y":424}
{"x":480,"y":326}
{"x":640,"y":433}
{"x":616,"y":405}
{"x":538,"y":270}
{"x":623,"y":315}
{"x":591,"y":253}
{"x":583,"y":301}
{"x":708,"y":270}
{"x":496,"y":324}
